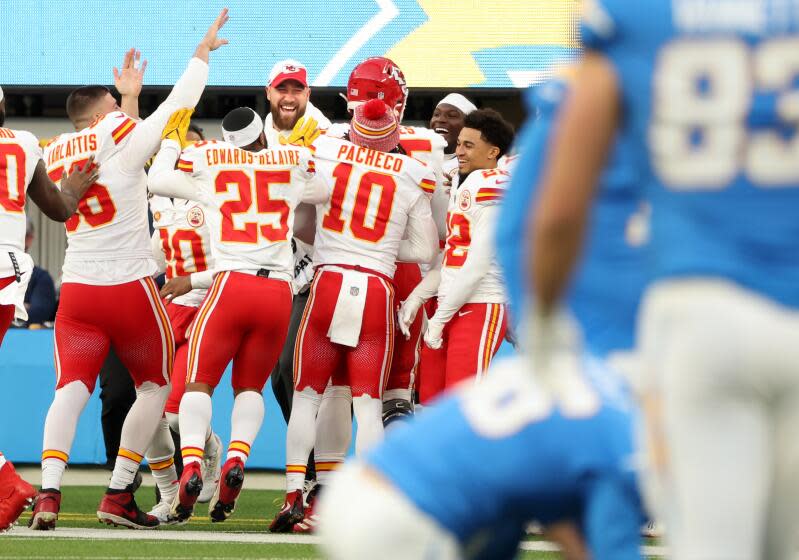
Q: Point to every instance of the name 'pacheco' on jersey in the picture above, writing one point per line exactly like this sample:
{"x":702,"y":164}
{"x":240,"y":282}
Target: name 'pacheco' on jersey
{"x":711,"y":85}
{"x":378,"y":190}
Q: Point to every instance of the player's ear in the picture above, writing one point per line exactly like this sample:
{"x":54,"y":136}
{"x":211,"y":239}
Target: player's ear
{"x":493,"y":152}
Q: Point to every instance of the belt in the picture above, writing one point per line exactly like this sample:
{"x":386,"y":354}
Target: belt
{"x":361,"y":269}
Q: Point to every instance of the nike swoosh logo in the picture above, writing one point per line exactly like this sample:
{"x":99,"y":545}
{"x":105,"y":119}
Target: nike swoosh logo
{"x":462,"y":313}
{"x":501,"y":182}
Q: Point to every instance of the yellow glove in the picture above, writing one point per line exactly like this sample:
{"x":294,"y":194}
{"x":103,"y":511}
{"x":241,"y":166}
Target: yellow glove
{"x":178,"y":126}
{"x":303,"y":134}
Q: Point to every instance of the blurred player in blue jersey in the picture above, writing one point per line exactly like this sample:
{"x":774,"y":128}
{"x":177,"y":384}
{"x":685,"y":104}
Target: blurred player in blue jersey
{"x":562,"y":455}
{"x":707,"y":90}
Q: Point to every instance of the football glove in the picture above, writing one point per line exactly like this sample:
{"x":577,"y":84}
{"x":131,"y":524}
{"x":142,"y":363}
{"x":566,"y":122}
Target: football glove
{"x":304,"y":133}
{"x":432,"y":336}
{"x":178,"y":126}
{"x":407,"y":314}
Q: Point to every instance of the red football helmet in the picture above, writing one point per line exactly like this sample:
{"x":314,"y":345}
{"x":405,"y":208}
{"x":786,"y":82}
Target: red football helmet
{"x":378,"y":78}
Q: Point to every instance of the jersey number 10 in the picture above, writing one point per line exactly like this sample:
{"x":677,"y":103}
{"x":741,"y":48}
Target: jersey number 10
{"x":12,"y":177}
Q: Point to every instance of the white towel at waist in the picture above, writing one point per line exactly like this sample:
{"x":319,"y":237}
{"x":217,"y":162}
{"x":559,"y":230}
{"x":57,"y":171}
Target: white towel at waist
{"x":345,"y":328}
{"x":14,"y":293}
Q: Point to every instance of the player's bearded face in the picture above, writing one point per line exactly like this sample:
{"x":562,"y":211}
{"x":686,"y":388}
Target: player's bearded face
{"x":474,"y":153}
{"x":287,"y":103}
{"x":447,"y":121}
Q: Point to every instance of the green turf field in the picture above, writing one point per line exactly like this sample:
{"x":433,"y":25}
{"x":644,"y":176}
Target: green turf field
{"x":78,"y":506}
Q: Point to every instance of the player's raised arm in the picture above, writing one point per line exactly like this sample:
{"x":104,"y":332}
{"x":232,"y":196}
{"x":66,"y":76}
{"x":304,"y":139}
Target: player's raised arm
{"x":185,"y":95}
{"x":57,"y":204}
{"x":163,"y":179}
{"x":128,"y":82}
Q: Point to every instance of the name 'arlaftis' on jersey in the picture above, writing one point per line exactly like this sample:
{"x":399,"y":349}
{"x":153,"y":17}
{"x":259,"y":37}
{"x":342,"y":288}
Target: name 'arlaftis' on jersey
{"x":111,"y":222}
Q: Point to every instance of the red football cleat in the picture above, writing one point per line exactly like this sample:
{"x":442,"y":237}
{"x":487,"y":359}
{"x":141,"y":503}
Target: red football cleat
{"x":309,"y":522}
{"x":223,"y":504}
{"x":45,"y":510}
{"x":15,"y":496}
{"x":290,"y":514}
{"x":191,"y":484}
{"x":119,"y":508}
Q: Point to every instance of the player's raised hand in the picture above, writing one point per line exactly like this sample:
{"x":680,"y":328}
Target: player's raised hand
{"x":304,"y":133}
{"x":211,"y":41}
{"x":79,"y":181}
{"x":128,"y":81}
{"x":177,"y":127}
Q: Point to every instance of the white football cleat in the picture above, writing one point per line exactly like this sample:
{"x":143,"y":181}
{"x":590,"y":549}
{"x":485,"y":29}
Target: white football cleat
{"x":211,"y":468}
{"x":163,"y":512}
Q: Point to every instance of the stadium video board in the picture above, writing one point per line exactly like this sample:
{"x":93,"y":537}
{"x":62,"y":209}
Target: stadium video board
{"x":437,"y":43}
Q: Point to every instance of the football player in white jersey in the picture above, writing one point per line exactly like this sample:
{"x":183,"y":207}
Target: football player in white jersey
{"x":108,"y":296}
{"x":289,"y":93}
{"x":182,"y":248}
{"x":248,"y":194}
{"x":346,"y":337}
{"x":23,"y":175}
{"x":293,"y":119}
{"x":470,"y":320}
{"x":381,"y":78}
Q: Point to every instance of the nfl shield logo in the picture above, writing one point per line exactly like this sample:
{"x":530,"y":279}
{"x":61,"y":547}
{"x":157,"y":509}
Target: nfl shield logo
{"x":354,"y":291}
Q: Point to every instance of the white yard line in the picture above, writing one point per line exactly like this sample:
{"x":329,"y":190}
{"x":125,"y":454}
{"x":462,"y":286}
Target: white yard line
{"x":246,"y":538}
{"x":130,"y":535}
{"x":83,"y":476}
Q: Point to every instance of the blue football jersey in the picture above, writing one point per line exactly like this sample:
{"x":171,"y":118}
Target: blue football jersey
{"x":492,"y":456}
{"x":610,"y":278}
{"x":708,"y":91}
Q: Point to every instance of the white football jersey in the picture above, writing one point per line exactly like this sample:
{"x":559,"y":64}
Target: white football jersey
{"x":480,"y":190}
{"x":373,"y":193}
{"x":185,"y":241}
{"x":19,"y":155}
{"x":110,"y":226}
{"x":249,"y":200}
{"x":428,"y":147}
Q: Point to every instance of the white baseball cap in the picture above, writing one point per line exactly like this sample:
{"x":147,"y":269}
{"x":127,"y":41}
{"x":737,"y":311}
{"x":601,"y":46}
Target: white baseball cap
{"x":288,"y":70}
{"x":1,"y":94}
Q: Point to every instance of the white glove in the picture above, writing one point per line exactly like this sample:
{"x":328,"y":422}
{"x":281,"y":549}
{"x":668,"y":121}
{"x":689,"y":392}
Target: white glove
{"x":406,"y":314}
{"x":550,"y":335}
{"x":432,"y":336}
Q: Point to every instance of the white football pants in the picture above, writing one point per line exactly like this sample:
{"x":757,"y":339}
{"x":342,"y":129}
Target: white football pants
{"x":363,"y":517}
{"x":724,"y":363}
